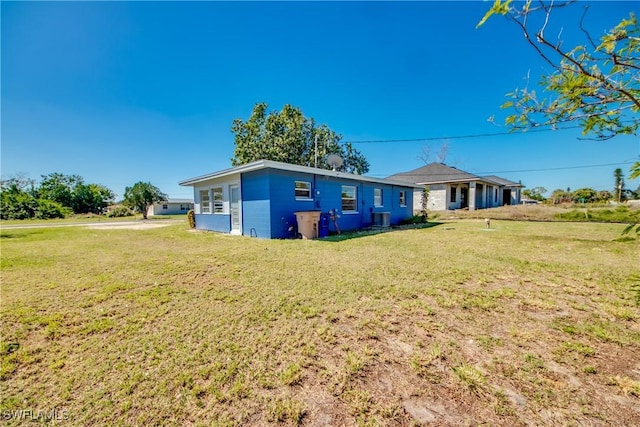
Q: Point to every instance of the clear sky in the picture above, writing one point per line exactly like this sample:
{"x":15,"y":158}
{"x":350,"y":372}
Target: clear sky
{"x":119,"y":92}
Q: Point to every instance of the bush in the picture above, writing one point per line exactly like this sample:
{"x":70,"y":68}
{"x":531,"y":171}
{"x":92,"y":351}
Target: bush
{"x":191,"y":216}
{"x":416,"y":219}
{"x":119,"y":211}
{"x":620,"y":214}
{"x":17,"y":205}
{"x":47,"y":209}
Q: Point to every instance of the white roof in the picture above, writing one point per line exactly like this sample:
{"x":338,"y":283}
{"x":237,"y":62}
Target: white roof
{"x":264,"y":164}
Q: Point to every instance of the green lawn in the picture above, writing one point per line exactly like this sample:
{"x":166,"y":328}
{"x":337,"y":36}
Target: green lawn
{"x":525,"y":323}
{"x":89,"y":219}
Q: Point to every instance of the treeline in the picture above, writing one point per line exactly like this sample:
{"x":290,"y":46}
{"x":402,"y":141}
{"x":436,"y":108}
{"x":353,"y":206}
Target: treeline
{"x":56,"y":196}
{"x":581,"y":195}
{"x":588,"y":195}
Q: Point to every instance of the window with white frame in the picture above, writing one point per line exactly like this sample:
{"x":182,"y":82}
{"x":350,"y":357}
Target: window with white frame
{"x":218,"y":206}
{"x":205,"y":202}
{"x":377,"y":197}
{"x":454,"y":191}
{"x":165,"y":206}
{"x":403,"y":198}
{"x":349,"y":198}
{"x":303,"y":190}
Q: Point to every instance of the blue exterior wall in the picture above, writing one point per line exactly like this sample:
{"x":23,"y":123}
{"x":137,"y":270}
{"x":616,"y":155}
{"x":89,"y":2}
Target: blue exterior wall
{"x":214,"y":222}
{"x":283,"y":200}
{"x":256,"y":204}
{"x":278,"y":207}
{"x":330,"y":198}
{"x":269,"y":203}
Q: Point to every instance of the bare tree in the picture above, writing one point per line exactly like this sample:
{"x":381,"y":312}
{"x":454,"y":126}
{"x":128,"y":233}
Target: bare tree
{"x":441,"y":156}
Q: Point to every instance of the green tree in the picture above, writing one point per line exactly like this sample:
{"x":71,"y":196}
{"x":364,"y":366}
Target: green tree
{"x":604,"y":196}
{"x":596,"y":83}
{"x":288,"y":136}
{"x":18,"y":200}
{"x":141,"y":196}
{"x":585,"y":195}
{"x":535,"y":193}
{"x":561,"y":196}
{"x":91,"y":198}
{"x":424,"y":201}
{"x":634,"y":172}
{"x":71,"y":191}
{"x":59,"y":188}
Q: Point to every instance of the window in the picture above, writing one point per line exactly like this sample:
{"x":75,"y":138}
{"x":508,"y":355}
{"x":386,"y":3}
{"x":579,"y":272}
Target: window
{"x":165,"y":206}
{"x":403,"y":198}
{"x":205,"y":202}
{"x":183,"y":208}
{"x":495,"y":198}
{"x":454,"y":190}
{"x":303,"y":190}
{"x":218,"y":207}
{"x":349,"y":199}
{"x":377,"y":197}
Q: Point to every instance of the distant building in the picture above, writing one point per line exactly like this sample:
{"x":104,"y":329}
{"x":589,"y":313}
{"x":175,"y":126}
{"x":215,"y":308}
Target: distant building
{"x":451,"y":188}
{"x":171,"y":207}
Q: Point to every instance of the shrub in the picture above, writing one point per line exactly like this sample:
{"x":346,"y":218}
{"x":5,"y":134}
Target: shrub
{"x":46,"y":209}
{"x":191,"y":216}
{"x":416,"y":219}
{"x":620,"y":214}
{"x":120,"y":211}
{"x":17,"y":205}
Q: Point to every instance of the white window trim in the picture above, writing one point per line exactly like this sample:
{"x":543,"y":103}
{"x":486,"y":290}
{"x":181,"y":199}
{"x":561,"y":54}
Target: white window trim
{"x":202,"y":202}
{"x":213,"y":200}
{"x":310,"y":197}
{"x":403,"y":199}
{"x":378,"y":203}
{"x":353,"y":212}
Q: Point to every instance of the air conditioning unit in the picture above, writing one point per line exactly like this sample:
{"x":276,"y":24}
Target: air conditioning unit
{"x":381,"y":219}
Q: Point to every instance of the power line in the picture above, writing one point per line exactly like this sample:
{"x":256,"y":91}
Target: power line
{"x":526,"y":170}
{"x":558,"y":168}
{"x":477,"y":135}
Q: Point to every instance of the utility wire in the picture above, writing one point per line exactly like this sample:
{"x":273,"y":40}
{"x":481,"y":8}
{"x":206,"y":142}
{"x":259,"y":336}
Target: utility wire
{"x":480,"y":174}
{"x":558,"y":168}
{"x":477,"y":135}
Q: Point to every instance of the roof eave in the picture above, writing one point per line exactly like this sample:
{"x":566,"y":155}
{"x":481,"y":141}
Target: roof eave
{"x":261,"y":164}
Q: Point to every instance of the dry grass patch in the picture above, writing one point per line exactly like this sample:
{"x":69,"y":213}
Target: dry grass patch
{"x":532,"y":323}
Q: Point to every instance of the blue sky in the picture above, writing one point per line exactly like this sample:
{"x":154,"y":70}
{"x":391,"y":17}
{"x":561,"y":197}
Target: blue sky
{"x":119,"y":92}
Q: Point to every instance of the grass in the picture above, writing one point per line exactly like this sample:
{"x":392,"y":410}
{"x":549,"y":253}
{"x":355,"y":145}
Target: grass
{"x":453,"y":323}
{"x":83,"y":218}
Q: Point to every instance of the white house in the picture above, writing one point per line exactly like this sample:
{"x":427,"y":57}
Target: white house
{"x":451,"y":188}
{"x":171,"y":207}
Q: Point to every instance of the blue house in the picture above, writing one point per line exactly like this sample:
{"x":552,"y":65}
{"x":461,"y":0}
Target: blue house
{"x":261,"y":199}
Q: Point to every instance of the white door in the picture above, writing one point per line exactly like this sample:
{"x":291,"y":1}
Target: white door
{"x":234,"y":203}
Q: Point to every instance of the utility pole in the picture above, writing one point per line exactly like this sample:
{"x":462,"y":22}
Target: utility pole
{"x":619,"y":191}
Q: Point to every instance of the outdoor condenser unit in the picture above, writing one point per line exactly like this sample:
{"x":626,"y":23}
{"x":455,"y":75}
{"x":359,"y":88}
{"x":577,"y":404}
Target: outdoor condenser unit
{"x":382,"y":219}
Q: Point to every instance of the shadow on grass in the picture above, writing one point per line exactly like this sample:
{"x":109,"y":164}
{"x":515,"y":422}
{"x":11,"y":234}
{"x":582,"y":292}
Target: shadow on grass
{"x":348,"y":235}
{"x":10,"y":236}
{"x":17,"y":235}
